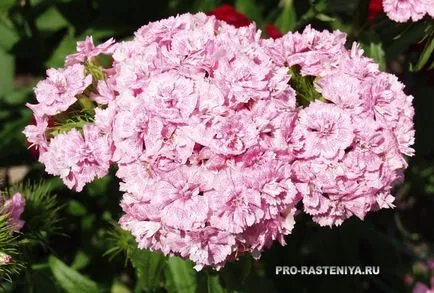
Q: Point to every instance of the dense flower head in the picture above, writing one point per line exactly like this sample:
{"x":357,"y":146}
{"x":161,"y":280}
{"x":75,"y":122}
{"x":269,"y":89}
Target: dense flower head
{"x":221,"y":138}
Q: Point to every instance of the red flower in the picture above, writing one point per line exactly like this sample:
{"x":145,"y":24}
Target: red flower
{"x":375,"y":8}
{"x":228,"y":14}
{"x":272,"y":31}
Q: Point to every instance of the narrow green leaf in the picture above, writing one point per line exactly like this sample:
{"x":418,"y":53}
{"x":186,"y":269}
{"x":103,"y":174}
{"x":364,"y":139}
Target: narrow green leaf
{"x":180,"y":276}
{"x":412,"y":34}
{"x":7,"y":73}
{"x":325,"y":18}
{"x":425,"y":55}
{"x":376,"y":52}
{"x":250,"y":9}
{"x":431,"y":67}
{"x":214,"y":284}
{"x":288,"y":18}
{"x":70,"y":280}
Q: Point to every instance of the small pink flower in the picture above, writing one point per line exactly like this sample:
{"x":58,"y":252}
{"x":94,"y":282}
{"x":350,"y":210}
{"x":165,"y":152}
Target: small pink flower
{"x":403,"y":10}
{"x":232,"y":136}
{"x":59,"y":91}
{"x":5,"y":259}
{"x":326,"y":129}
{"x":86,"y":50}
{"x":14,"y":207}
{"x":36,"y":133}
{"x":422,"y":288}
{"x":77,"y":158}
{"x":171,"y":97}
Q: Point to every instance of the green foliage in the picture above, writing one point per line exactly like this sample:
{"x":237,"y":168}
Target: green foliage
{"x":7,"y":74}
{"x":148,"y":265}
{"x":180,"y":276}
{"x":69,"y":279}
{"x":42,"y":211}
{"x":303,"y":85}
{"x":250,"y":9}
{"x":214,"y":285}
{"x":9,"y":246}
{"x":41,"y":216}
{"x":427,"y":51}
{"x":288,"y":17}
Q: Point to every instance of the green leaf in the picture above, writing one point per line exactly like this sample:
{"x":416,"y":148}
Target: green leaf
{"x":337,"y":6}
{"x":7,"y":73}
{"x":250,"y":9}
{"x":324,"y":17}
{"x":70,"y":280}
{"x":425,"y":55}
{"x":180,"y":276}
{"x":376,"y":52}
{"x":8,"y":38}
{"x":11,"y":136}
{"x":76,"y":208}
{"x":288,"y":18}
{"x":6,"y":4}
{"x":119,"y":287}
{"x":51,"y":20}
{"x":148,"y":265}
{"x":81,"y":260}
{"x":66,"y":47}
{"x":431,"y":67}
{"x":214,"y":284}
{"x":18,"y":96}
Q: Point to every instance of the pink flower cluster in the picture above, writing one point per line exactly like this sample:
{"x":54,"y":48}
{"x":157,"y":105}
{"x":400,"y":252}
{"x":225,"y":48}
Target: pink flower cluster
{"x":422,"y":288}
{"x":13,"y":208}
{"x":404,"y":10}
{"x":216,"y":146}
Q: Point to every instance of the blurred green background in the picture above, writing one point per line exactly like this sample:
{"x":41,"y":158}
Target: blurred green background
{"x":38,"y":34}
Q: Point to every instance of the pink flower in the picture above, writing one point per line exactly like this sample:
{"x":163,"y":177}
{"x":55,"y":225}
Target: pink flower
{"x":422,"y":288}
{"x":236,"y":206}
{"x":403,"y":10}
{"x":326,"y":130}
{"x":77,"y":158}
{"x":36,"y":134}
{"x":213,"y":151}
{"x":14,"y":207}
{"x":233,"y":136}
{"x":171,"y":97}
{"x":86,"y":50}
{"x":5,"y":259}
{"x":59,"y":91}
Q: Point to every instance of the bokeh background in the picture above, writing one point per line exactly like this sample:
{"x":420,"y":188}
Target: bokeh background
{"x":38,"y":34}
